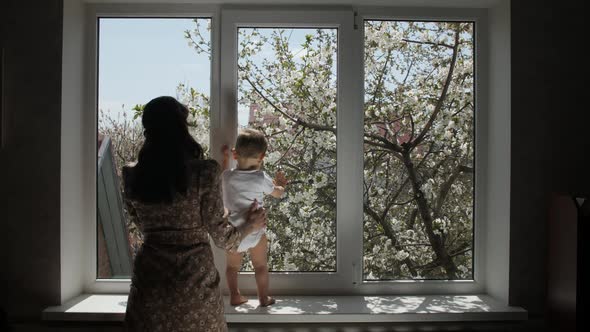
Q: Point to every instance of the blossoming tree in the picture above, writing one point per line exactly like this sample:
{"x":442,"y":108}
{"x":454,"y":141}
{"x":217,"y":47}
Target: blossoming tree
{"x":418,"y":135}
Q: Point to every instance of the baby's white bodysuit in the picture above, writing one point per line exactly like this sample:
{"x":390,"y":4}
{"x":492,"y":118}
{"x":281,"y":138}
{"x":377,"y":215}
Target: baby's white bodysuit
{"x":240,"y":189}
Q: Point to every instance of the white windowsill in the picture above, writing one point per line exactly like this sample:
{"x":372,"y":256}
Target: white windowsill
{"x":317,"y":309}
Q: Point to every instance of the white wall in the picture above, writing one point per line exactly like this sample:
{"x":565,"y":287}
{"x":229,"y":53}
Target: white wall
{"x":73,"y":232}
{"x":498,"y":156}
{"x":78,"y":150}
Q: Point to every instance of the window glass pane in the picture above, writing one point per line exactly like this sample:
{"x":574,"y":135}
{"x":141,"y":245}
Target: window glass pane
{"x":140,"y":59}
{"x":419,"y":150}
{"x":287,"y":89}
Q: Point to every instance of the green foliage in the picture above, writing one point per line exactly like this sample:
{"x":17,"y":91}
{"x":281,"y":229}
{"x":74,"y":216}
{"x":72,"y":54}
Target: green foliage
{"x":137,"y":111}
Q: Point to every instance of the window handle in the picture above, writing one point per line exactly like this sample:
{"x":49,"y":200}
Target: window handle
{"x":356,"y":280}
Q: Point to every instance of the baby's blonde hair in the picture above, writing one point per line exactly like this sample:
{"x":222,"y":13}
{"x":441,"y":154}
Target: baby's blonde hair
{"x":250,"y":143}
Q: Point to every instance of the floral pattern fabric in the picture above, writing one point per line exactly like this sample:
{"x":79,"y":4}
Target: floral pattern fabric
{"x":175,"y":284}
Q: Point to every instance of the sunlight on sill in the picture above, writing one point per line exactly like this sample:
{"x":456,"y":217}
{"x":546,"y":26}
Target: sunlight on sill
{"x":317,"y":305}
{"x":317,"y":309}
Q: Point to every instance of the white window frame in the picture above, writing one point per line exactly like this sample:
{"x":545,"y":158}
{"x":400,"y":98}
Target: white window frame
{"x":350,"y":150}
{"x":479,"y":18}
{"x":347,"y":207}
{"x":93,"y":14}
{"x":492,"y":189}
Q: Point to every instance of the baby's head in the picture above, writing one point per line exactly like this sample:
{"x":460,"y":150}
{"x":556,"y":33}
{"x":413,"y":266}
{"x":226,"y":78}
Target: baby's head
{"x":250,"y":148}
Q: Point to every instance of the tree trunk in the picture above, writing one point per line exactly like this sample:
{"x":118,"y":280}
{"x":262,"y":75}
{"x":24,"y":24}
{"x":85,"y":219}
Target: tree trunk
{"x":442,"y":256}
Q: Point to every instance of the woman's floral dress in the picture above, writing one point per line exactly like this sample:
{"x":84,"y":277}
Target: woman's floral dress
{"x":175,"y":283}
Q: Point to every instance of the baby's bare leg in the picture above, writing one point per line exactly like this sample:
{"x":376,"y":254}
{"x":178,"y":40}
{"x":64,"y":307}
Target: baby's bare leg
{"x":259,"y":261}
{"x":233,"y":264}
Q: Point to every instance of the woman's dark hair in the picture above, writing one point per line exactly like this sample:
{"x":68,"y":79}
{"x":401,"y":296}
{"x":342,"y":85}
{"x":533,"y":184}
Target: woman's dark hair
{"x":162,"y":168}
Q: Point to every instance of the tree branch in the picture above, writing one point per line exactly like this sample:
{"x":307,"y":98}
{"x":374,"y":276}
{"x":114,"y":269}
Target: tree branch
{"x":387,"y":229}
{"x":289,"y":148}
{"x":446,"y":187}
{"x":426,"y":43}
{"x":389,"y":145}
{"x":443,"y":94}
{"x":296,"y":120}
{"x":427,"y":219}
{"x":381,"y":76}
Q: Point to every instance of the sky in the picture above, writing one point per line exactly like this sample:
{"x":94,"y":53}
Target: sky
{"x":143,"y":58}
{"x":140,"y":59}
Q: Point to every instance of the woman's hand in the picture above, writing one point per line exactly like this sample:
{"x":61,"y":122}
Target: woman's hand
{"x":256,"y":219}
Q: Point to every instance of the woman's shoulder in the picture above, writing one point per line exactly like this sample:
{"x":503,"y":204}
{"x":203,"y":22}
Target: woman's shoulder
{"x":205,"y":166}
{"x":208,"y":171}
{"x":129,"y":168}
{"x":128,"y":174}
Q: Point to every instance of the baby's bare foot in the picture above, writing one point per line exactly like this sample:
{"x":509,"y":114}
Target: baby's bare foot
{"x":267,"y":301}
{"x":236,"y":300}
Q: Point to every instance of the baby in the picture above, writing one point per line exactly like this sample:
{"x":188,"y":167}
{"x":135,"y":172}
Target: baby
{"x":242,"y":186}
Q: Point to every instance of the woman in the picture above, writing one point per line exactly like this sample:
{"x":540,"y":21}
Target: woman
{"x":174,"y":196}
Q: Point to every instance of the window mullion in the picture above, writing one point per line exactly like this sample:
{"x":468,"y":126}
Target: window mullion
{"x":350,"y":153}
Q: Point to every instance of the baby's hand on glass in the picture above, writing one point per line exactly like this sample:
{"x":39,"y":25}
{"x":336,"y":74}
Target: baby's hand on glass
{"x":280,"y":179}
